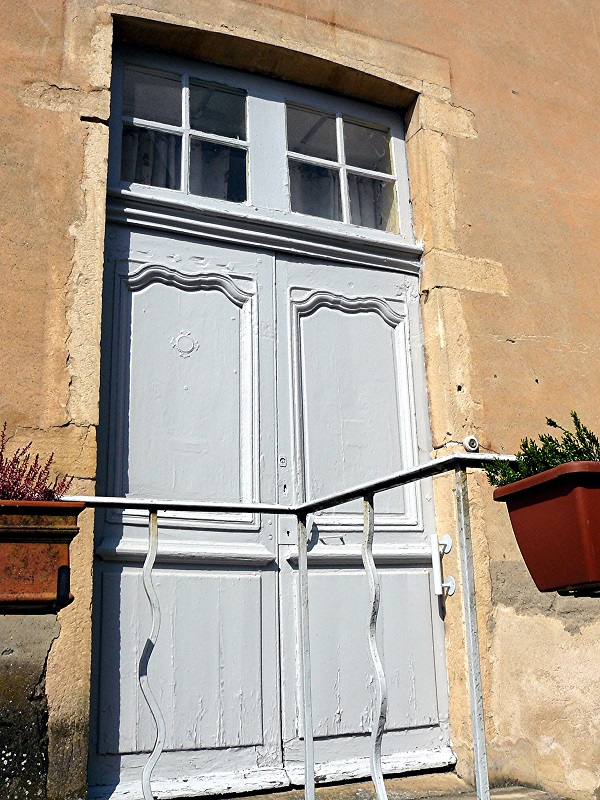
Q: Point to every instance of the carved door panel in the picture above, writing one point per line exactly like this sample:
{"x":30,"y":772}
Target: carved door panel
{"x":350,"y":392}
{"x":190,"y":388}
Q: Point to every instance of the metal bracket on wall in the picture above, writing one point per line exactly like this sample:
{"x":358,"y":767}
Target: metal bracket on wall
{"x":439,"y":548}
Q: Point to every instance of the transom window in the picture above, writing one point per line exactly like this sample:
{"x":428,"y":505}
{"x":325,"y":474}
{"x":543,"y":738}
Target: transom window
{"x":340,"y":169}
{"x":217,"y":138}
{"x":209,"y":120}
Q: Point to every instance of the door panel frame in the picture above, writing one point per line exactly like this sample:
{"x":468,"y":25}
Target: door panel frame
{"x":401,"y":538}
{"x":353,"y":766}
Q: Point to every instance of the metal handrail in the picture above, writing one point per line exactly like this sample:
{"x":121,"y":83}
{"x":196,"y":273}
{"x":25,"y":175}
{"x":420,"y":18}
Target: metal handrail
{"x":436,"y":466}
{"x":457,"y":462}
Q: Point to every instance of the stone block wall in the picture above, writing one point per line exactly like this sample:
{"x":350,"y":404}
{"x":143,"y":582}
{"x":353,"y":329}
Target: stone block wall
{"x":503,"y":155}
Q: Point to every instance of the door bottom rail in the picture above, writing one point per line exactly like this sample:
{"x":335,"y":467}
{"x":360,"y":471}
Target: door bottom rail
{"x":310,"y":773}
{"x":261,"y":781}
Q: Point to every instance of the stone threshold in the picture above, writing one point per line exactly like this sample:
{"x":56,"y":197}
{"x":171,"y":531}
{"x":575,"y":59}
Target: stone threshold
{"x":441,"y":785}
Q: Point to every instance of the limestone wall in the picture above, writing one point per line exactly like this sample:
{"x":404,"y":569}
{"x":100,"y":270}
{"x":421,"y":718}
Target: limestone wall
{"x":503,"y":154}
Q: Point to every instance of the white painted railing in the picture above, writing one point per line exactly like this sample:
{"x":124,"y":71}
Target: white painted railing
{"x":458,"y":463}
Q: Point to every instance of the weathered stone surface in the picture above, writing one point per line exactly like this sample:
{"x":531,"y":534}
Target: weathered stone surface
{"x":548,"y":666}
{"x":443,"y":270}
{"x":434,"y":114}
{"x":441,"y":785}
{"x":26,"y":641}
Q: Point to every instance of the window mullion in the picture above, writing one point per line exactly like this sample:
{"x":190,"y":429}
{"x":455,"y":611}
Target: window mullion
{"x":339,"y":126}
{"x":269,"y":180}
{"x":185,"y":144}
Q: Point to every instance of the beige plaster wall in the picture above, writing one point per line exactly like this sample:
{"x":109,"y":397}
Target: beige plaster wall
{"x":504,"y":158}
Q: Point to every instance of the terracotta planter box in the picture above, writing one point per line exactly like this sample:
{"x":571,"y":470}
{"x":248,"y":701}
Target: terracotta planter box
{"x":34,"y":554}
{"x":556,"y":519}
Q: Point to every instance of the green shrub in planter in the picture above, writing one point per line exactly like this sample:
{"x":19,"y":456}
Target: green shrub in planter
{"x":552,"y":493}
{"x":533,"y":458}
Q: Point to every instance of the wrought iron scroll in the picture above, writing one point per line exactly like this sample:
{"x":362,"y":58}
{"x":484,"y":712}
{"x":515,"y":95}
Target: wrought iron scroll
{"x":455,"y":461}
{"x":381,"y":697}
{"x":305,"y":671}
{"x":147,"y":652}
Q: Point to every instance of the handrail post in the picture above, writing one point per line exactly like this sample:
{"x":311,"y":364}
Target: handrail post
{"x":381,"y":699}
{"x":304,"y":652}
{"x":159,"y":720}
{"x":482,"y":784}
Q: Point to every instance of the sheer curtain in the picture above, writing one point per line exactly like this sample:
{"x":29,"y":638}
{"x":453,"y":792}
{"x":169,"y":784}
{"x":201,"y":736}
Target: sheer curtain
{"x":315,"y":190}
{"x":150,"y":157}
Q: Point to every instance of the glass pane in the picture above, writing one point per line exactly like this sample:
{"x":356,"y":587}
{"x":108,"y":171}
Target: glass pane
{"x":367,"y":147}
{"x":315,"y":190}
{"x":311,"y":133}
{"x":151,"y":157}
{"x":217,"y":110}
{"x":217,"y":170}
{"x":153,"y":97}
{"x":373,"y":203}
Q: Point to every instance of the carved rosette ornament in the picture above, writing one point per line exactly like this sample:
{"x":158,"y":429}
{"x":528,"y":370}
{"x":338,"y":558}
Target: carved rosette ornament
{"x":185,"y":344}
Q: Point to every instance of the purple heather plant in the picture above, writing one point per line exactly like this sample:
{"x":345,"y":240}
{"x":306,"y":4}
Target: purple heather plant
{"x":22,"y":478}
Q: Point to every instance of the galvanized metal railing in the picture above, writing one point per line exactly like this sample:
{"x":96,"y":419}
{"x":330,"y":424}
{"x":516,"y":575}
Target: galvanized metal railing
{"x":457,"y":463}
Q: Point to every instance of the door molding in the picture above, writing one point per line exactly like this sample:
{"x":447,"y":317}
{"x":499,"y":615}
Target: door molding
{"x":127,"y":282}
{"x":180,"y":552}
{"x":249,"y":230}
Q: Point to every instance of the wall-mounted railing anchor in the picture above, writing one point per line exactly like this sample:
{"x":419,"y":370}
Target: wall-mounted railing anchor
{"x":471,"y":444}
{"x":439,"y":548}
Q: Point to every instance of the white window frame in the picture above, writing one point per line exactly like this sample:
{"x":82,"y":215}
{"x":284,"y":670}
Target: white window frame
{"x":266,"y":143}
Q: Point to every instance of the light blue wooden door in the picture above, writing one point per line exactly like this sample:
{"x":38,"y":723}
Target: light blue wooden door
{"x":239,"y":375}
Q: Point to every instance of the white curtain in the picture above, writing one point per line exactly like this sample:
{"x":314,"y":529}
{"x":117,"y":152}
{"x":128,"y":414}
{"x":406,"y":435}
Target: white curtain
{"x":150,"y":157}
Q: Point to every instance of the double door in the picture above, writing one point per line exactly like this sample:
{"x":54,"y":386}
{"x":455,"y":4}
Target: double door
{"x":234,"y":375}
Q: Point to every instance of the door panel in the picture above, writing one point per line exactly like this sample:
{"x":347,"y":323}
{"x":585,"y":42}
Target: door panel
{"x":411,"y":646}
{"x":347,"y":380}
{"x":351,"y":391}
{"x":344,"y":689}
{"x":186,"y":367}
{"x":183,"y":659}
{"x":194,"y":433}
{"x":191,"y":376}
{"x":346,"y":362}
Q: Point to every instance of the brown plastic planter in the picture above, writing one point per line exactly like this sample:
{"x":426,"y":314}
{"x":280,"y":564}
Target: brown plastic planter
{"x":34,"y":554}
{"x":556,"y":519}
